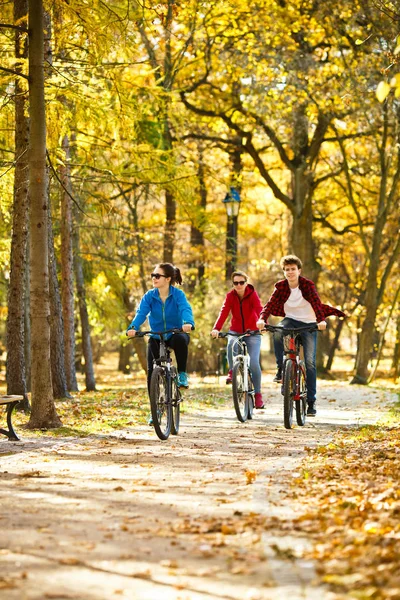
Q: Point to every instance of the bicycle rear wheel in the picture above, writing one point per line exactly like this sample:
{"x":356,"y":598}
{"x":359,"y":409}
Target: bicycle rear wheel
{"x":288,"y":389}
{"x":160,"y":403}
{"x":240,"y":401}
{"x":301,"y":403}
{"x":176,"y":405}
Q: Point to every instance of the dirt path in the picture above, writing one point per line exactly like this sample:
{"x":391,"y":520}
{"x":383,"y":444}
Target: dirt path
{"x":201,"y":516}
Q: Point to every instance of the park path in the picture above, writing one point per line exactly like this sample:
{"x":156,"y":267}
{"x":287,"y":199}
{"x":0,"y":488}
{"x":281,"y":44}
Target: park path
{"x":202,"y":516}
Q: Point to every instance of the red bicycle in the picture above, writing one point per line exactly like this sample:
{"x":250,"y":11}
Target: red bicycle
{"x":294,"y":383}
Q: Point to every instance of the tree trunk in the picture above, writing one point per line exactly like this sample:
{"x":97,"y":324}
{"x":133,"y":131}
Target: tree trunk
{"x":396,"y":351}
{"x":67,"y":271}
{"x":196,"y":265}
{"x":90,"y":381}
{"x":125,"y":352}
{"x":368,"y":326}
{"x":43,"y":413}
{"x":27,"y":320}
{"x":301,"y":236}
{"x":334,"y":345}
{"x":170,"y":225}
{"x":16,"y":368}
{"x":58,"y":376}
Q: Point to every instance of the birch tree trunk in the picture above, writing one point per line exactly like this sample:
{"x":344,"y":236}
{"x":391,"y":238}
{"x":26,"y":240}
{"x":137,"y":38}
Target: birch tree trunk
{"x":43,"y":413}
{"x":16,"y":368}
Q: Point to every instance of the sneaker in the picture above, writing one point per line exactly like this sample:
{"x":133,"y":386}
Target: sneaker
{"x":278,"y":376}
{"x":311,"y":410}
{"x":229,"y":378}
{"x":259,"y":400}
{"x":150,"y":422}
{"x":183,"y":380}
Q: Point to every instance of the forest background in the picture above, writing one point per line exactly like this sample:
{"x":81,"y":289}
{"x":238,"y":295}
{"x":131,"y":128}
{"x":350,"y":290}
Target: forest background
{"x":123,"y":125}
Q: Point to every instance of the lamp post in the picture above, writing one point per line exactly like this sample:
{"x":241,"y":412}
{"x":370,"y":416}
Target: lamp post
{"x":232,"y":205}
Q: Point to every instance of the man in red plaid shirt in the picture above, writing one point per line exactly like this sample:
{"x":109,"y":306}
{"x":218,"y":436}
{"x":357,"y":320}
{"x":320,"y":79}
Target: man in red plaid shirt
{"x":296,"y":299}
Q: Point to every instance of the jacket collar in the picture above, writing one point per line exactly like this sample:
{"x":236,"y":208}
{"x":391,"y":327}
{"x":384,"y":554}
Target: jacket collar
{"x":248,"y":292}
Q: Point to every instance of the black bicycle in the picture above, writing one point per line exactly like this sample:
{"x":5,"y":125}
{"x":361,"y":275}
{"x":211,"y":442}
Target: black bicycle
{"x":294,"y":382}
{"x":165,"y":395}
{"x":242,"y":381}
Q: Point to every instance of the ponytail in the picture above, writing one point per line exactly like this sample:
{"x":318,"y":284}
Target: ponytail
{"x":171,"y":271}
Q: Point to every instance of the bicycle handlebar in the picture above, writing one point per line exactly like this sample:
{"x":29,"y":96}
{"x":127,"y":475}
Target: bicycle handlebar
{"x":223,"y":334}
{"x":174,"y":330}
{"x":273,"y":328}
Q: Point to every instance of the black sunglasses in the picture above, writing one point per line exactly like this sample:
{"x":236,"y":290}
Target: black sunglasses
{"x":238,"y":282}
{"x":158,"y":275}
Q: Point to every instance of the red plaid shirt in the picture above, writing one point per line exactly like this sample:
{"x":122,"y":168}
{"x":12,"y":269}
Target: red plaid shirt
{"x":275,"y":305}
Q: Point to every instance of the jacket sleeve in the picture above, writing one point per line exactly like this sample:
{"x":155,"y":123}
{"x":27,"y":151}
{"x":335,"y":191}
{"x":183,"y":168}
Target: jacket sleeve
{"x":185,"y":309}
{"x":271,"y":305}
{"x":257,"y":303}
{"x":223,"y":313}
{"x":142,"y":312}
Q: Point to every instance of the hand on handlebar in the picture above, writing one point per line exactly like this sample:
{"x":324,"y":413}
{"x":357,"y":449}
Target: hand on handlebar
{"x":214,"y":333}
{"x":187,"y":327}
{"x":131,"y":333}
{"x":261,"y":324}
{"x":322,"y":325}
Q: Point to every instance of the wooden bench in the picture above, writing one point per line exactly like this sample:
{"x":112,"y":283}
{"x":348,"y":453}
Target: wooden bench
{"x":11,"y":402}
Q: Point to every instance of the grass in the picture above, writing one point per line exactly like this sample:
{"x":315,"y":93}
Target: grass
{"x":123,"y":405}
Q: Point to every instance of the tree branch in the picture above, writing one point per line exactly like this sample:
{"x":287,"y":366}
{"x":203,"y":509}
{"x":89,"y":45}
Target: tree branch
{"x":11,"y":26}
{"x":16,"y":73}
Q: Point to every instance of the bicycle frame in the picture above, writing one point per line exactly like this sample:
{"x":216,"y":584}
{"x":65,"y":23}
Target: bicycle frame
{"x":293,"y":343}
{"x":244,"y":356}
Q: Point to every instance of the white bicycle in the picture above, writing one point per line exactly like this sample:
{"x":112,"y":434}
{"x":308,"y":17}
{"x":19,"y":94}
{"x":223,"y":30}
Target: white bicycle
{"x":242,"y":381}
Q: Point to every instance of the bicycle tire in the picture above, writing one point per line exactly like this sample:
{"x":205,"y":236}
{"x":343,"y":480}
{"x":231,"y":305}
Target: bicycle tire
{"x":240,"y":401}
{"x":301,"y":404}
{"x":160,"y":403}
{"x":176,"y":405}
{"x":250,"y":397}
{"x":288,"y":388}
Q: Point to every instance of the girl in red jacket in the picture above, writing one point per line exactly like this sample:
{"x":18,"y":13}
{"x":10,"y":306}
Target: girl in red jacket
{"x":245,"y":306}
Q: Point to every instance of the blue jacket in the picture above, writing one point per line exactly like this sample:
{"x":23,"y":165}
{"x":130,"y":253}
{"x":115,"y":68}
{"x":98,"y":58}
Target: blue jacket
{"x":175,"y":312}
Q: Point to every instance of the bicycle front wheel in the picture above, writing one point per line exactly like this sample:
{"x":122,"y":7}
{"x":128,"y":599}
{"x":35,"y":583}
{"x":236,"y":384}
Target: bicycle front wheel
{"x":301,"y":403}
{"x":175,"y":407}
{"x":160,"y":403}
{"x":250,"y":396}
{"x":240,"y":401}
{"x":288,"y":390}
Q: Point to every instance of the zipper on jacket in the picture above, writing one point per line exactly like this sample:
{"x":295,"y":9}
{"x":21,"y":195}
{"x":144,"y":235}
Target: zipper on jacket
{"x":241,"y":312}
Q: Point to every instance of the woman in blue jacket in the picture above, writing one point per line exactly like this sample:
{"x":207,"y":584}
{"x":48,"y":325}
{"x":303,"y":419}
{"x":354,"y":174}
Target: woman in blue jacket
{"x":167,"y":308}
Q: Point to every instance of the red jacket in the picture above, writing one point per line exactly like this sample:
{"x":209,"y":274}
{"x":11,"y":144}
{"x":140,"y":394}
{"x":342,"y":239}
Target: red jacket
{"x":245,"y":312}
{"x":281,"y":293}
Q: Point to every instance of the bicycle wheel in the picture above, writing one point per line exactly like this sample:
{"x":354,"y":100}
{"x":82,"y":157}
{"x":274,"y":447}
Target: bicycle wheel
{"x":250,"y":397}
{"x":176,"y":405}
{"x":239,"y":395}
{"x":160,"y":403}
{"x":301,"y":404}
{"x":288,"y":388}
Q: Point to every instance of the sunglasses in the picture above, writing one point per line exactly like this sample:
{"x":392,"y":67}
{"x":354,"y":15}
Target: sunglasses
{"x":157,"y":276}
{"x":238,"y":282}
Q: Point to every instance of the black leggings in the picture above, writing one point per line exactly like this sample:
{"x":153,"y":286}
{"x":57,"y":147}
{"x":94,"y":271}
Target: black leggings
{"x":179,"y":343}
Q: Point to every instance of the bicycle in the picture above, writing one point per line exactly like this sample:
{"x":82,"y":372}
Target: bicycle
{"x":165,"y":395}
{"x":294,"y":382}
{"x":242,"y":381}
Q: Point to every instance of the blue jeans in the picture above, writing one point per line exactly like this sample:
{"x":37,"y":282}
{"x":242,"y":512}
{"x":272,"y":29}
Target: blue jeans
{"x":309,"y":341}
{"x":253,"y":343}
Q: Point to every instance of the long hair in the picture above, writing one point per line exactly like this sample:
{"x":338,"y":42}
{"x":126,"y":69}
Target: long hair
{"x":171,"y":271}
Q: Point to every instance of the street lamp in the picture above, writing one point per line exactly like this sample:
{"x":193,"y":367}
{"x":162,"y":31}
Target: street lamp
{"x":232,"y":205}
